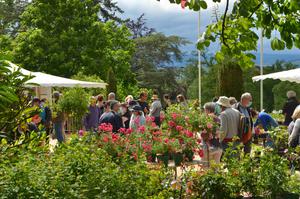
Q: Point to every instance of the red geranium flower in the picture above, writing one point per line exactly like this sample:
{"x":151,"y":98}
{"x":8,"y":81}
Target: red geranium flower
{"x":171,"y":123}
{"x":141,"y":129}
{"x":179,"y":128}
{"x":105,"y":139}
{"x":201,"y":153}
{"x":183,"y":3}
{"x":189,"y":133}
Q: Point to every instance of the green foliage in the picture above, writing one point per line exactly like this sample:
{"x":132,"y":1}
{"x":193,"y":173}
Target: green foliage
{"x":111,"y":81}
{"x":10,"y":11}
{"x":263,"y":176}
{"x":153,"y":54}
{"x":14,"y":105}
{"x":90,"y":78}
{"x":78,"y":169}
{"x":5,"y":47}
{"x":66,"y":37}
{"x":74,"y":103}
{"x":236,"y":31}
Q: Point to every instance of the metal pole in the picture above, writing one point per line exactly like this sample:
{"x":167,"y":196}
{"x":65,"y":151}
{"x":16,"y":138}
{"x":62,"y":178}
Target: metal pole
{"x":199,"y":62}
{"x":261,"y":70}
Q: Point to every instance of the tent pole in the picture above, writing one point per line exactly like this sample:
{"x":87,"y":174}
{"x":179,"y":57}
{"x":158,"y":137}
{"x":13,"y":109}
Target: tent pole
{"x":261,"y":70}
{"x":199,"y":62}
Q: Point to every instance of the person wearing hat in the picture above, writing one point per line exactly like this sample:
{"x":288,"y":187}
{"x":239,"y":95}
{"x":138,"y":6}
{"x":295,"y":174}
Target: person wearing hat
{"x":113,"y":117}
{"x":137,"y":118}
{"x":230,"y":120}
{"x":155,"y":109}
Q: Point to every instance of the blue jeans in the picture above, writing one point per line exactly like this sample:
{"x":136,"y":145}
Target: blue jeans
{"x":58,"y":131}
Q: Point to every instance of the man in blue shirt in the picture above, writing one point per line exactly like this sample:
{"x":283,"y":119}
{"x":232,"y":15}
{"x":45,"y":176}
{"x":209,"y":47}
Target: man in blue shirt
{"x":266,"y":121}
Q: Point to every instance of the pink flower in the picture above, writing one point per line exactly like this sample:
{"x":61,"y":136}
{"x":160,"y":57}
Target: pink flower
{"x":149,"y":119}
{"x":174,"y":116}
{"x":201,"y":153}
{"x":209,"y":125}
{"x":171,"y":124}
{"x":156,"y":133}
{"x":80,"y":132}
{"x":189,"y":133}
{"x":183,"y":3}
{"x":199,"y":140}
{"x":105,"y":127}
{"x":129,"y":131}
{"x":166,"y":140}
{"x":122,"y":130}
{"x":105,"y":139}
{"x":142,"y":129}
{"x":153,"y":125}
{"x":179,"y":128}
{"x":115,"y":137}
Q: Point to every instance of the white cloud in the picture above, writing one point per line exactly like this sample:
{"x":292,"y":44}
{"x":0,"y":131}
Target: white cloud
{"x":171,"y":19}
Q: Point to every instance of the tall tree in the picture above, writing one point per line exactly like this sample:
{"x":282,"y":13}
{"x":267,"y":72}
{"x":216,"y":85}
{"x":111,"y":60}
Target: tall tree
{"x":10,"y":12}
{"x":139,"y":28}
{"x":66,"y":37}
{"x":154,"y":61}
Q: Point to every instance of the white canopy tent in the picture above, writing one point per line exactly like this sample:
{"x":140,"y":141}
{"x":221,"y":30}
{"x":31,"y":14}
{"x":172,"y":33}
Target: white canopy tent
{"x":43,"y":83}
{"x":46,"y":80}
{"x":289,"y":75}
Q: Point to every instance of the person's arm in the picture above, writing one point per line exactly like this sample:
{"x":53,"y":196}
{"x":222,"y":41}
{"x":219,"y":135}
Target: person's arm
{"x":223,"y":127}
{"x":257,"y":122}
{"x":284,"y":109}
{"x":294,"y":137}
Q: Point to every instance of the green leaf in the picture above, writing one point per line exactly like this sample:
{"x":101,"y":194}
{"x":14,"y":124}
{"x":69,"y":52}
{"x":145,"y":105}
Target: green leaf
{"x":203,"y":4}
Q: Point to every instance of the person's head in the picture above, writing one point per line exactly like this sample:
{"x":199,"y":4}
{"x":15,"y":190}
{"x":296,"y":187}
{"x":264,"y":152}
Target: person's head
{"x":137,"y":110}
{"x":296,"y":114}
{"x":143,"y":96}
{"x":36,"y":102}
{"x":223,"y":102}
{"x":36,"y":119}
{"x":166,"y":97}
{"x":246,"y":100}
{"x":43,"y":101}
{"x":111,"y":96}
{"x":180,"y":98}
{"x":124,"y":108}
{"x":128,"y":99}
{"x":114,"y":105}
{"x":154,"y":97}
{"x":291,"y":94}
{"x":100,"y":98}
{"x":56,"y":95}
{"x":93,"y":101}
{"x":232,"y":100}
{"x":106,"y":106}
{"x":209,"y":108}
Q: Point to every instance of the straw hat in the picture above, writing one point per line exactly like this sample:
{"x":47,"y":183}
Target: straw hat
{"x":154,"y":97}
{"x":224,"y":101}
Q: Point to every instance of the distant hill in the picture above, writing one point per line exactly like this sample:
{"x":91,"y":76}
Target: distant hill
{"x":269,"y":59}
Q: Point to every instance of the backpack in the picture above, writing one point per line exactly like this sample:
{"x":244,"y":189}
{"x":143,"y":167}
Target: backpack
{"x":245,"y":129}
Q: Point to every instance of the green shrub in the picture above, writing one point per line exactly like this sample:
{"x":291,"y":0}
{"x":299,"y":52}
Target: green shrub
{"x":78,"y":169}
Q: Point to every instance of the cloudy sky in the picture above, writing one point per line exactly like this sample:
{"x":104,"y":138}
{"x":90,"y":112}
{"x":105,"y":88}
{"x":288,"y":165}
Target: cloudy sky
{"x":171,"y":19}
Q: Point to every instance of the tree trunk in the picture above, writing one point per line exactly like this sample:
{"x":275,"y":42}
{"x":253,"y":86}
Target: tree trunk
{"x":230,"y":80}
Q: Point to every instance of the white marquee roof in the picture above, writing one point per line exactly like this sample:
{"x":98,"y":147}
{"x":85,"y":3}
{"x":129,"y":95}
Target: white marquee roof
{"x":46,"y":80}
{"x":289,"y":75}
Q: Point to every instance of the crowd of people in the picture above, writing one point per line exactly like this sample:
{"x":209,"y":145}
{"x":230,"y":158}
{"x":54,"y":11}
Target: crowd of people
{"x":235,"y":118}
